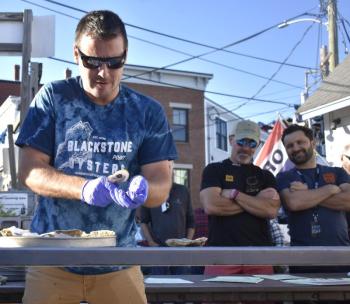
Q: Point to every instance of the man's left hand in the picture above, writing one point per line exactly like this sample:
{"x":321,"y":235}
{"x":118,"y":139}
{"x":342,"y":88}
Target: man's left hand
{"x":134,"y":196}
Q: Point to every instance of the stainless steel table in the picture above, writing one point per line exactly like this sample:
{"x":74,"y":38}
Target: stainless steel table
{"x":175,"y":256}
{"x":200,"y":291}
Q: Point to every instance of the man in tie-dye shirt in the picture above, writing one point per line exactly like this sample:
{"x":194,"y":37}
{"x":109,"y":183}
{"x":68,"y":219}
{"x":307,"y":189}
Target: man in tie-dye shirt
{"x":77,"y":132}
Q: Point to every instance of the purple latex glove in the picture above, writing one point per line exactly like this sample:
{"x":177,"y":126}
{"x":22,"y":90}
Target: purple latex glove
{"x":135,"y":196}
{"x":100,"y":192}
{"x":95,"y":192}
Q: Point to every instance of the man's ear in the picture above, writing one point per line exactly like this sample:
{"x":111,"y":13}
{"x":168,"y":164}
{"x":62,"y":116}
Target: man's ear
{"x":126,"y":55}
{"x":231,"y":139}
{"x":313,"y":144}
{"x":76,"y":54}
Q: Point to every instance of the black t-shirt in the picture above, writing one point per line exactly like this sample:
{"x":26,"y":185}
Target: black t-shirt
{"x":174,"y":222}
{"x":242,"y":229}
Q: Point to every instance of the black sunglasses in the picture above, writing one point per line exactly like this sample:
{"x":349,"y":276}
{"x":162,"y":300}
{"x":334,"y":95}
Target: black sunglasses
{"x":91,"y":62}
{"x":347,"y":156}
{"x":247,"y":142}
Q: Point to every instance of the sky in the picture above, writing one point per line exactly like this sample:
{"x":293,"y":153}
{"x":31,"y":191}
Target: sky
{"x":257,"y":89}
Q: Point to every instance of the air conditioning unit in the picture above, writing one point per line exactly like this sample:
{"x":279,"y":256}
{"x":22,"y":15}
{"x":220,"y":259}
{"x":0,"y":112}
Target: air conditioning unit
{"x":8,"y":221}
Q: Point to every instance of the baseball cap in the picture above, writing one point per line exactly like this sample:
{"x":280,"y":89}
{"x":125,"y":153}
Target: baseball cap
{"x":247,"y":129}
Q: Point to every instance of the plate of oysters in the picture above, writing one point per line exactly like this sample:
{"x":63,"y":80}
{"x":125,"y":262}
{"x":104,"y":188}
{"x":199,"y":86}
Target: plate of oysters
{"x":186,"y":242}
{"x":16,"y":237}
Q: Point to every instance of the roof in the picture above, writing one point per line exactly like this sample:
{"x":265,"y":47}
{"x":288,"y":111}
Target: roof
{"x":336,"y":87}
{"x":166,"y":70}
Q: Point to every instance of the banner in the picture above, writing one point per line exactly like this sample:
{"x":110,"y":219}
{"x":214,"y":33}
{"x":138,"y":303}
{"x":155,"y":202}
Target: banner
{"x":273,"y":156}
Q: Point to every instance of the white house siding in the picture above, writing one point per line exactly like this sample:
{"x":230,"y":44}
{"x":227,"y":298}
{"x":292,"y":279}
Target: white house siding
{"x":336,"y":139}
{"x":212,"y":111}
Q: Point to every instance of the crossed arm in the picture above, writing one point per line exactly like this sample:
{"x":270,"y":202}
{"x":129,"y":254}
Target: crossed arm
{"x":298,"y":197}
{"x":36,"y":173}
{"x":218,"y":202}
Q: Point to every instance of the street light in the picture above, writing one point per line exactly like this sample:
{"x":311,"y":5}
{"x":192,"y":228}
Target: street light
{"x":289,"y":22}
{"x":332,"y":31}
{"x":305,"y":93}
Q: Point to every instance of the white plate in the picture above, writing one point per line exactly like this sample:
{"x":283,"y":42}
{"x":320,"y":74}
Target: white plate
{"x":14,"y":241}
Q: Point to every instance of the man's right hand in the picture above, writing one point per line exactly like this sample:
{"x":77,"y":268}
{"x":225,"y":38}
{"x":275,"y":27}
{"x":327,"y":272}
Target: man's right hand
{"x":297,"y":186}
{"x":269,"y":193}
{"x":334,"y":189}
{"x":153,"y":244}
{"x":95,"y":192}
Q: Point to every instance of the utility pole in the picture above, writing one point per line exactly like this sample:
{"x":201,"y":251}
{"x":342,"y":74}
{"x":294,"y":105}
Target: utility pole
{"x":324,"y":61}
{"x":305,"y":93}
{"x":332,"y":34}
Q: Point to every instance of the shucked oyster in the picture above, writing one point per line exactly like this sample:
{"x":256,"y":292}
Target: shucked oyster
{"x":14,"y":231}
{"x":99,"y":233}
{"x":63,"y":233}
{"x":78,"y":233}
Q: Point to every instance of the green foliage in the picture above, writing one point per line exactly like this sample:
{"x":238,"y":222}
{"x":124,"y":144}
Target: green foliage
{"x":4,"y":212}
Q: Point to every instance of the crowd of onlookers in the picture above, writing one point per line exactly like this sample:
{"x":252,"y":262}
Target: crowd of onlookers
{"x":244,"y":205}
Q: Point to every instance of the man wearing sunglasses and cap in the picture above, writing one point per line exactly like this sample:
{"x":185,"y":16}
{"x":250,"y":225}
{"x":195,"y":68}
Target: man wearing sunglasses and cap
{"x":78,"y":132}
{"x":240,"y":199}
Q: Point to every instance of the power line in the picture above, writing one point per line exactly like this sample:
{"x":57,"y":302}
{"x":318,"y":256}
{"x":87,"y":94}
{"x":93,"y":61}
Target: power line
{"x":49,"y":9}
{"x":183,"y":87}
{"x":284,"y":61}
{"x":218,"y":93}
{"x":346,"y":32}
{"x":277,"y":92}
{"x":232,"y":110}
{"x":343,"y":18}
{"x":278,"y":69}
{"x":66,"y":6}
{"x":240,"y":117}
{"x":267,"y":60}
{"x":242,"y":71}
{"x":146,"y":29}
{"x":319,"y":43}
{"x":212,"y":51}
{"x":186,"y":40}
{"x":214,"y":62}
{"x":193,"y":57}
{"x":229,"y":103}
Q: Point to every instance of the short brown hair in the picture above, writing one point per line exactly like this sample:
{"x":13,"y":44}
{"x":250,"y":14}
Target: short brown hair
{"x":294,"y":128}
{"x":101,"y":24}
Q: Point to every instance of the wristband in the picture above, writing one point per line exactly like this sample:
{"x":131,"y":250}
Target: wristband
{"x":234,"y":193}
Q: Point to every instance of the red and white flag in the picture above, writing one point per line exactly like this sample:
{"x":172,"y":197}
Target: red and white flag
{"x":273,"y":156}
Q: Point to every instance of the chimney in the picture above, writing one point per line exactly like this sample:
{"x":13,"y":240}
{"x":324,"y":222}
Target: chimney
{"x":68,"y":73}
{"x":16,"y":71}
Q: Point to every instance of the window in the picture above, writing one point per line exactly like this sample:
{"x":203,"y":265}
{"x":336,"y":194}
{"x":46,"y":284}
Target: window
{"x":182,"y":177}
{"x":221,"y":134}
{"x":180,"y":124}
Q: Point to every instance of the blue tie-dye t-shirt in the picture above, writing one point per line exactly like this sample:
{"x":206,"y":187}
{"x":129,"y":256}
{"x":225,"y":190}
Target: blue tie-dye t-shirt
{"x":89,"y":140}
